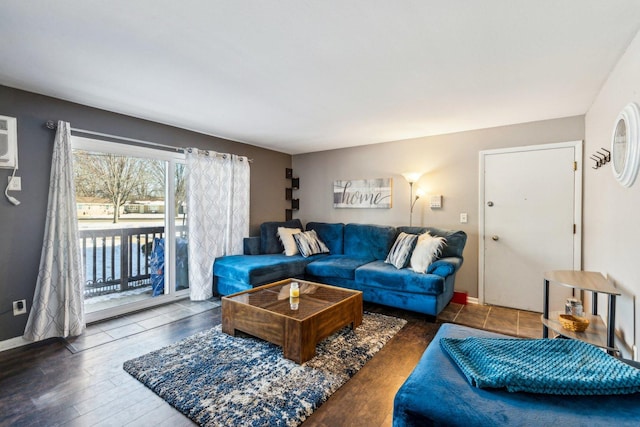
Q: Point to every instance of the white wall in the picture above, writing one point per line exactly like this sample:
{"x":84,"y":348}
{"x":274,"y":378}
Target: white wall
{"x":450,"y":163}
{"x":612,"y":212}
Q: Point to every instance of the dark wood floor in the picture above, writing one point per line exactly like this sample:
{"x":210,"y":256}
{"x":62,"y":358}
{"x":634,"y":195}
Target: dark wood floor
{"x":47,"y":385}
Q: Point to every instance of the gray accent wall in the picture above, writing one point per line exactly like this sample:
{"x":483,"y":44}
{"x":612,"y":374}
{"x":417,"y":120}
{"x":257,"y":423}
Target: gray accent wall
{"x":22,"y":227}
{"x":450,"y":166}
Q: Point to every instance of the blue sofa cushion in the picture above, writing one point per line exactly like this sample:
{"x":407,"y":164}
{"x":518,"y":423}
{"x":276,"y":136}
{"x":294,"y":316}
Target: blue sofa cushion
{"x":269,"y":241}
{"x":342,"y":266}
{"x":331,"y":234}
{"x":260,"y":269}
{"x":368,"y":241}
{"x":456,"y":240}
{"x":444,"y":266}
{"x":379,"y":274}
{"x":251,"y":245}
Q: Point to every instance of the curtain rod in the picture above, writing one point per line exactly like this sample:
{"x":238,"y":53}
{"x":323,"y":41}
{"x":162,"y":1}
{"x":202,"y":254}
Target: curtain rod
{"x":50,"y":124}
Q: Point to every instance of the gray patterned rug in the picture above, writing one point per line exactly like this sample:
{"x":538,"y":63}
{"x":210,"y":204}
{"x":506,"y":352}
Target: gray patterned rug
{"x":219,"y":380}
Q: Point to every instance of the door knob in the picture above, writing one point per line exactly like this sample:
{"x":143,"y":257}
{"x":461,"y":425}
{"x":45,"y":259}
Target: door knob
{"x":495,"y":238}
{"x":489,"y":203}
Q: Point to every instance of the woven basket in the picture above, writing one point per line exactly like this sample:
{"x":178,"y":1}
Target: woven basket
{"x":574,"y":323}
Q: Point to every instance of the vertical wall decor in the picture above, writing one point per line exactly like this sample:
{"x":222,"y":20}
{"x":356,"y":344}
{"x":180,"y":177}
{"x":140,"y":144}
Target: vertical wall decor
{"x":288,"y":194}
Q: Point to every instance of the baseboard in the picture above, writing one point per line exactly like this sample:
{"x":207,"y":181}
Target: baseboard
{"x":472,"y":300}
{"x":13,"y":343}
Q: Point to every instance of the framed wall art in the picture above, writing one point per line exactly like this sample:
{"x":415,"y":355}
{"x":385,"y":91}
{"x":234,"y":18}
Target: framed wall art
{"x":625,"y":145}
{"x":362,"y":193}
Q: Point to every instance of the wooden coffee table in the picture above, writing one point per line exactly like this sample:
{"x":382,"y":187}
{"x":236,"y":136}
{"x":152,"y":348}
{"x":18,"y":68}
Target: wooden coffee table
{"x":267,"y":312}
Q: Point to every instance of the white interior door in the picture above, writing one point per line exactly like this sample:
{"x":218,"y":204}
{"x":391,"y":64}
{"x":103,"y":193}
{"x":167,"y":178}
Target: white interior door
{"x":530,"y":203}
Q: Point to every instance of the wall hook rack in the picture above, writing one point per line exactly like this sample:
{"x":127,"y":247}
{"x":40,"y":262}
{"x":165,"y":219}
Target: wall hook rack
{"x":601,"y":158}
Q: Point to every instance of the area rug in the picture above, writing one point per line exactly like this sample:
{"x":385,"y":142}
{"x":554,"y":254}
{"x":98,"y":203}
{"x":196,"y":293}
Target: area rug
{"x":219,"y":380}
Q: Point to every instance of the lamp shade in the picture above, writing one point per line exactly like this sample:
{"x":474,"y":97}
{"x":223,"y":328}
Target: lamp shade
{"x":412,"y":177}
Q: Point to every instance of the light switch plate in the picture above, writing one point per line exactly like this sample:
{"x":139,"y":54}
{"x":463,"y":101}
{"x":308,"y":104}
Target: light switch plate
{"x":463,"y":218}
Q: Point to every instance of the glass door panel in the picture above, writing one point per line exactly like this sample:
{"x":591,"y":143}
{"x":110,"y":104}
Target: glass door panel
{"x":182,"y":237}
{"x":132,"y":227}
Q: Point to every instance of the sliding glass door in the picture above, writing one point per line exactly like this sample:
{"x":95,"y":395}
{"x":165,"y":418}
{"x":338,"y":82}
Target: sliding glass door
{"x":131,"y":205}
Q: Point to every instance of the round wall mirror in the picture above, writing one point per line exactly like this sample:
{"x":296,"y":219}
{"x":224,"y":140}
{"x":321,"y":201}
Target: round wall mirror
{"x":625,"y":150}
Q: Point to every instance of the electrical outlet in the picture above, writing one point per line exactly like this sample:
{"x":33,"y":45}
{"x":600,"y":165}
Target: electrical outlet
{"x":15,"y":183}
{"x":19,"y":307}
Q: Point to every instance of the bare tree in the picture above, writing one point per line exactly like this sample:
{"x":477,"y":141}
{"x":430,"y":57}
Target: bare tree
{"x":157,"y":174}
{"x":87,"y":184}
{"x":114,"y":177}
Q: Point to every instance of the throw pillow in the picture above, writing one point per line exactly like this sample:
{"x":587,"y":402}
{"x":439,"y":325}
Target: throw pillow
{"x":309,"y":243}
{"x":286,"y":237}
{"x":401,"y":250}
{"x":427,"y":250}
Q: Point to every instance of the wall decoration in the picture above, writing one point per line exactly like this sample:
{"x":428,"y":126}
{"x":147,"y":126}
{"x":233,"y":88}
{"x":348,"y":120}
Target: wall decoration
{"x":625,"y":145}
{"x":288,"y":194}
{"x":362,"y":193}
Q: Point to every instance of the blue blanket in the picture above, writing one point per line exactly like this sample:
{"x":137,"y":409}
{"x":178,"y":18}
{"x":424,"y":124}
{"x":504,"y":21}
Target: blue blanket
{"x":549,"y":366}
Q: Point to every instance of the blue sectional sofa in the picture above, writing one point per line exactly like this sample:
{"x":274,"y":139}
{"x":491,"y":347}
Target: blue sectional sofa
{"x":438,"y":394}
{"x":356,"y":261}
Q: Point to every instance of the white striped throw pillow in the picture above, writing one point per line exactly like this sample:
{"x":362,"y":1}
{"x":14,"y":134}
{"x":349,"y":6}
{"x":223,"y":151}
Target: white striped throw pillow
{"x":400,"y":252}
{"x":310,"y":244}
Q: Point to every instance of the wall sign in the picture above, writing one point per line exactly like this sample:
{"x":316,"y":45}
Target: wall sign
{"x":362,"y":193}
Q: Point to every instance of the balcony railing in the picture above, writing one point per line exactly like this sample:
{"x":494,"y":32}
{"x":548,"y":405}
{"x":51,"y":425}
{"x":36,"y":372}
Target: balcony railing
{"x":116,"y":259}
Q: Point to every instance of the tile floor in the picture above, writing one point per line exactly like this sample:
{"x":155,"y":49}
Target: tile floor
{"x":508,"y":321}
{"x":123,"y":326}
{"x":518,"y":323}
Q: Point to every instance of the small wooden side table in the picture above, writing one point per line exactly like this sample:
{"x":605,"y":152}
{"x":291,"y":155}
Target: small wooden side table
{"x":597,"y":333}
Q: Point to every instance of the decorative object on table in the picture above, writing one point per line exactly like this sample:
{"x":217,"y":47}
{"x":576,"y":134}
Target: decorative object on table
{"x":362,"y":193}
{"x":573,"y":306}
{"x":217,"y":379}
{"x":625,"y":145}
{"x":294,"y":295}
{"x":601,"y":334}
{"x":412,"y":178}
{"x":573,"y":323}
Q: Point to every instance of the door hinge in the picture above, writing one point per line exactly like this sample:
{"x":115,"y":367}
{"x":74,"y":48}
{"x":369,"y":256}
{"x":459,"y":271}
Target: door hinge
{"x":575,"y":166}
{"x":574,"y":229}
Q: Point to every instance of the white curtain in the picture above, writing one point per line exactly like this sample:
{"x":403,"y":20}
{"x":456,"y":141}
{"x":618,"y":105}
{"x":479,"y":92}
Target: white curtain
{"x":58,"y":304}
{"x":218,"y":213}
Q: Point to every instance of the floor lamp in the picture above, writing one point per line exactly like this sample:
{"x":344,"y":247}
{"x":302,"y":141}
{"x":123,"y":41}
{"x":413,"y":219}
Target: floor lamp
{"x":411,"y":178}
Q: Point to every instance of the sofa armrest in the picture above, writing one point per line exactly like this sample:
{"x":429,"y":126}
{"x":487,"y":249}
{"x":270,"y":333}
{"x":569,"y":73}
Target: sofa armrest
{"x":251,"y":245}
{"x":445,"y":266}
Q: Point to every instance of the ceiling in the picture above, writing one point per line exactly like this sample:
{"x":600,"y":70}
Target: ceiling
{"x":301,"y":76}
